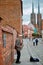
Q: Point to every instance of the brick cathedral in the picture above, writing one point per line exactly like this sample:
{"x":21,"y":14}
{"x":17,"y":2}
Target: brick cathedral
{"x":33,"y":18}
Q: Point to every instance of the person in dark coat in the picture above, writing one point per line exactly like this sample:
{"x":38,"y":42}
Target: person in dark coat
{"x":18,"y":46}
{"x":36,"y":41}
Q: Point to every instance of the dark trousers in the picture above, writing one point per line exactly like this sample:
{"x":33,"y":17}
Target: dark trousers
{"x":18,"y":56}
{"x":33,"y":43}
{"x":36,"y":43}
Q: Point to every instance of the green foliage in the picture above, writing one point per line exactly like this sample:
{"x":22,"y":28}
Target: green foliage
{"x":37,"y":35}
{"x":34,"y":34}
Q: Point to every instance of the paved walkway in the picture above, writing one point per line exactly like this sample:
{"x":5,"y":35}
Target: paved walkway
{"x":29,"y":50}
{"x":36,"y":51}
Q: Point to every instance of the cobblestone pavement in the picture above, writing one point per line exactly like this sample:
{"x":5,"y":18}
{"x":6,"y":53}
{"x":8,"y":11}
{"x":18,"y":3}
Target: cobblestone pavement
{"x":28,"y":50}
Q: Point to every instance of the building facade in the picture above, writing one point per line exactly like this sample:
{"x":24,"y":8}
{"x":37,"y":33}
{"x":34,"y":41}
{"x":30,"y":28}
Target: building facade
{"x":33,"y":19}
{"x":39,"y":18}
{"x":39,"y":22}
{"x":25,"y":31}
{"x":11,"y":12}
{"x":10,"y":24}
{"x":33,"y":16}
{"x":42,"y":28}
{"x":6,"y":45}
{"x":42,"y":24}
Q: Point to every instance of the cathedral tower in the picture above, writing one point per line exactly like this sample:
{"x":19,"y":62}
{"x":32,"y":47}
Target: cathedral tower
{"x":39,"y":18}
{"x":33,"y":16}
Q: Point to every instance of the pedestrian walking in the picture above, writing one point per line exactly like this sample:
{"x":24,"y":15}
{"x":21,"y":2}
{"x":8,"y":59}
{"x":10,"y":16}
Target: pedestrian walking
{"x":36,"y":41}
{"x":18,"y":47}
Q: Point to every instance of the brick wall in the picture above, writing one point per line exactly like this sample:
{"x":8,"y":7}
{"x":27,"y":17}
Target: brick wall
{"x":42,"y":24}
{"x":7,"y":53}
{"x":1,"y":57}
{"x":10,"y":11}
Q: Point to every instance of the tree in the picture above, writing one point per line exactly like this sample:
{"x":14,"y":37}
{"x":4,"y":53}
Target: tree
{"x":35,"y":34}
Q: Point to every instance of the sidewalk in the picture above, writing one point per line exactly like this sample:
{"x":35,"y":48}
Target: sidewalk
{"x":37,"y":51}
{"x":26,"y":52}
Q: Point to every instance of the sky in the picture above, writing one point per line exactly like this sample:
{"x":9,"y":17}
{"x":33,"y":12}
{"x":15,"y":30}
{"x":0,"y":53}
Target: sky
{"x":27,"y":9}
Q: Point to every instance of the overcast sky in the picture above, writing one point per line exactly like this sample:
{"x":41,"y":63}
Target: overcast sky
{"x":27,"y":9}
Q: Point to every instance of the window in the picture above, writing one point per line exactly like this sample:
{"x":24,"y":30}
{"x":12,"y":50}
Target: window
{"x":4,"y":39}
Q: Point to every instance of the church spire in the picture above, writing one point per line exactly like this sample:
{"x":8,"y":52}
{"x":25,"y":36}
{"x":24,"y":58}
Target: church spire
{"x":32,"y":7}
{"x":38,"y":7}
